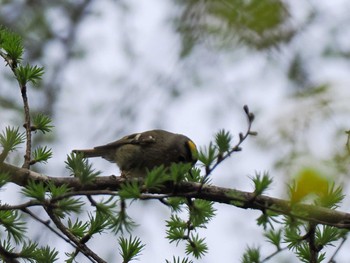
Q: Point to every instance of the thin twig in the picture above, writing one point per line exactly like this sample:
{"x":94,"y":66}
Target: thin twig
{"x":27,"y":121}
{"x":87,"y":193}
{"x":25,"y":208}
{"x":92,"y":201}
{"x":273,"y":254}
{"x":20,"y":206}
{"x":331,"y":260}
{"x":27,"y":126}
{"x":236,"y":148}
{"x":81,"y":246}
{"x":47,"y":224}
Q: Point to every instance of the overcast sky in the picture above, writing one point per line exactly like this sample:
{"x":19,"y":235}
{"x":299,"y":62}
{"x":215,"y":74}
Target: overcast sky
{"x":132,"y":58}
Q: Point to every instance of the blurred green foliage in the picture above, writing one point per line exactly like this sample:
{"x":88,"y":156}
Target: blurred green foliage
{"x":256,"y":24}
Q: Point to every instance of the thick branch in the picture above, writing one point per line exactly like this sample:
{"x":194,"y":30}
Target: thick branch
{"x":311,"y":213}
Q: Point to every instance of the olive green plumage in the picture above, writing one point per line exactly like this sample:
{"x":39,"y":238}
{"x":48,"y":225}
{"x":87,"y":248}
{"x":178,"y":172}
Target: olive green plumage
{"x":136,"y":153}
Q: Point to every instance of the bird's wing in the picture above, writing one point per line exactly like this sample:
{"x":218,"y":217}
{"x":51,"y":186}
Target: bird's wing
{"x":136,"y":138}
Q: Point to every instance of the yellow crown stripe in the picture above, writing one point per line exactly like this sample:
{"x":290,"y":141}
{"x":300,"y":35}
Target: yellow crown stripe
{"x":193,"y":148}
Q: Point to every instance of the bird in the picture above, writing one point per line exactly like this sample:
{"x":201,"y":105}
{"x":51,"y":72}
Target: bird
{"x":137,"y":153}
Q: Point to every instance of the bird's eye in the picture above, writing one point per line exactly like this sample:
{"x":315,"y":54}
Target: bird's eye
{"x":181,"y":159}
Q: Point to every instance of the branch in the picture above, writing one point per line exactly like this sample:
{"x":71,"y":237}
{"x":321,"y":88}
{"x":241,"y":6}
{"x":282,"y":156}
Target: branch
{"x":23,"y":87}
{"x":310,"y":236}
{"x":209,"y":168}
{"x":7,"y":256}
{"x":47,"y":224}
{"x":237,"y":147}
{"x":108,"y":184}
{"x":273,"y":254}
{"x":27,"y":126}
{"x":81,"y":246}
{"x":332,"y":259}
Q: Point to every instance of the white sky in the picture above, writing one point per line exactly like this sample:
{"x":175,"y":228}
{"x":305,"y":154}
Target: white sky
{"x":214,"y":87}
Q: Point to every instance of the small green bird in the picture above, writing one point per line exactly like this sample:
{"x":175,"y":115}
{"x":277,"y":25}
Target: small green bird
{"x":136,"y":153}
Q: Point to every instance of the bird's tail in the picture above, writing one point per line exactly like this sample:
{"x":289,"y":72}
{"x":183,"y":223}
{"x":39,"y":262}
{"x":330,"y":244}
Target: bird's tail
{"x":89,"y":153}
